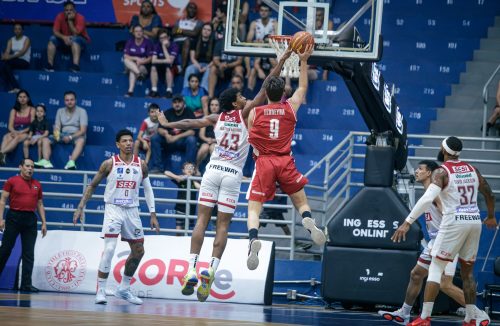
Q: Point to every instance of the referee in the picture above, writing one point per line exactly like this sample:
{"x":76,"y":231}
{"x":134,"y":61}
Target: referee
{"x":25,"y":197}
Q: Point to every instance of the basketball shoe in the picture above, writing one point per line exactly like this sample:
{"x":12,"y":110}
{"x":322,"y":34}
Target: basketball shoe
{"x":253,"y":254}
{"x":189,"y":281}
{"x":207,"y":278}
{"x":126,"y":294}
{"x":396,"y":316}
{"x":420,"y":322}
{"x":317,"y":235}
{"x":482,"y":318}
{"x":100,"y":297}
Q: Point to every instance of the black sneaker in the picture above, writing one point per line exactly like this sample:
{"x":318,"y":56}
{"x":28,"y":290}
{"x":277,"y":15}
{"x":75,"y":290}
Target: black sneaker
{"x":169,"y":94}
{"x":74,"y":68}
{"x":49,"y":68}
{"x":154,"y":94}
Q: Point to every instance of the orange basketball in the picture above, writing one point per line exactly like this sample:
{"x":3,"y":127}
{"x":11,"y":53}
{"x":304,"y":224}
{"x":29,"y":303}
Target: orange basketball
{"x":300,"y":40}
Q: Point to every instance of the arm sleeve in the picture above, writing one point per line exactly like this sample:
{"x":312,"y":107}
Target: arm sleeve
{"x":423,"y":203}
{"x":148,"y":193}
{"x":7,"y":186}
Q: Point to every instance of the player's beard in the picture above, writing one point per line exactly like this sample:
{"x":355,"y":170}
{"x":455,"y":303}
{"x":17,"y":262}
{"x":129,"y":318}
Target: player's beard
{"x":440,"y":156}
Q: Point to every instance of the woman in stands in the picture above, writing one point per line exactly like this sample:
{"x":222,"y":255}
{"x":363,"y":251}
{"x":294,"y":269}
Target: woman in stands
{"x":17,"y":55}
{"x":20,"y":118}
{"x":196,"y":97}
{"x":148,"y":19}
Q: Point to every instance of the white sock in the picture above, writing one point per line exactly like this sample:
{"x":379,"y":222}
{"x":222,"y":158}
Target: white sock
{"x":154,"y":89}
{"x":406,"y":309}
{"x":193,"y":259}
{"x":470,"y":312}
{"x":101,"y":283}
{"x":125,"y":284}
{"x":214,"y":263}
{"x":169,"y":89}
{"x":427,"y":310}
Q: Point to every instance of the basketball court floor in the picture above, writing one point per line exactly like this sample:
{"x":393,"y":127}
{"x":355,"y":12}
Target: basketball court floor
{"x":49,"y":309}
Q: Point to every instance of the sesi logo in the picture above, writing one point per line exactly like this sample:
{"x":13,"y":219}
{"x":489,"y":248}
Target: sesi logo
{"x":461,"y":169}
{"x":125,"y":184}
{"x":151,"y":272}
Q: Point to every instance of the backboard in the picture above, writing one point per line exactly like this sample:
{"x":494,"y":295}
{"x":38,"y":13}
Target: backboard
{"x":343,"y":29}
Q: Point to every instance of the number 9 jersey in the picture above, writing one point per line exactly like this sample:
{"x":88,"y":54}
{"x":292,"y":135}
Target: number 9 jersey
{"x":272,"y":129}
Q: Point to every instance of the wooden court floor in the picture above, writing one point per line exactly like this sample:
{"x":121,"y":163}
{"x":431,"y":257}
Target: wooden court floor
{"x":51,"y":309}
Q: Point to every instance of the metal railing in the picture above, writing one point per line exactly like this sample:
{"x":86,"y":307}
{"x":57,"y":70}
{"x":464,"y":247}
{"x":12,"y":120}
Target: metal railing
{"x":485,"y":101}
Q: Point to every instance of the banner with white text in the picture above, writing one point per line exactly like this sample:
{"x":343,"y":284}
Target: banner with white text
{"x":67,"y":261}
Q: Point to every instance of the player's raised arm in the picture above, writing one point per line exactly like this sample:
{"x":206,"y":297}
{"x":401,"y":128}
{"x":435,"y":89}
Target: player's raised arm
{"x":261,"y":95}
{"x":103,"y":172}
{"x":300,"y":93}
{"x":186,"y":124}
{"x":489,"y":197}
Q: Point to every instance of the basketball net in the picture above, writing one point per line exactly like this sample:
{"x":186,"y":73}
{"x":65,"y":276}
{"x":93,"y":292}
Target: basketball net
{"x":291,"y":66}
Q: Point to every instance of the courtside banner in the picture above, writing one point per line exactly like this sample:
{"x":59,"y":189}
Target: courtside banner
{"x":67,"y":261}
{"x":100,"y":11}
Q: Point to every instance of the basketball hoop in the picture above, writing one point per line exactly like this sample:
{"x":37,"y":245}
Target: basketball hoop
{"x":291,"y":66}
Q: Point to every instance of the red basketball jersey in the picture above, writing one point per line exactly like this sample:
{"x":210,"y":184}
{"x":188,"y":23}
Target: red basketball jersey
{"x":272,"y":129}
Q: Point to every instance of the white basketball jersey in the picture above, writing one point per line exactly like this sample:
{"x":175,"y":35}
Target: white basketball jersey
{"x":231,"y":134}
{"x":459,"y":197}
{"x":262,"y":30}
{"x":433,"y":218}
{"x":122,"y":186}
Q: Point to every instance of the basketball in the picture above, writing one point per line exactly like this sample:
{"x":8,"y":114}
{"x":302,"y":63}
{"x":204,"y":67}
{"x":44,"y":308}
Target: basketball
{"x":300,"y":40}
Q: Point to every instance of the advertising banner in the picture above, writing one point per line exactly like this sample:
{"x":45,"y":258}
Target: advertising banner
{"x":100,"y":11}
{"x":67,"y":261}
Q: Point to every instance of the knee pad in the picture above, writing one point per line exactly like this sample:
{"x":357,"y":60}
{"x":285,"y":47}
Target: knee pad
{"x":107,"y":254}
{"x":436,"y":270}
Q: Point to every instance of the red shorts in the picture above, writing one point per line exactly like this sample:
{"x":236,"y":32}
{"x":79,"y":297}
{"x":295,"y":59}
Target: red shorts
{"x":272,"y":169}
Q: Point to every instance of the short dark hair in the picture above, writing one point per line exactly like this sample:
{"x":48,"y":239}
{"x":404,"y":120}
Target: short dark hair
{"x":68,"y":3}
{"x":153,"y":106}
{"x":263,"y":5}
{"x":193,"y":75}
{"x":69,"y":93}
{"x":123,"y":132}
{"x":42,"y":106}
{"x":188,"y":163}
{"x":454,"y":143}
{"x":275,"y":87}
{"x":227,"y":98}
{"x":25,"y":159}
{"x":431,"y":165}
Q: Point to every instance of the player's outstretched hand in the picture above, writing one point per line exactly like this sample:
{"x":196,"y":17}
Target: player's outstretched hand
{"x":77,"y":216}
{"x":401,"y":232}
{"x":162,"y":119}
{"x":154,"y":223}
{"x":490,"y":222}
{"x":307,"y":53}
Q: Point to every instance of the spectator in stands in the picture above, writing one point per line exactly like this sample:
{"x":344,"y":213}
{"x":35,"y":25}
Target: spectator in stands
{"x":71,"y":127}
{"x":186,"y":29}
{"x":25,"y":197}
{"x":164,"y":54}
{"x":238,"y":82}
{"x":201,"y":55}
{"x":265,"y":25}
{"x":17,"y":55}
{"x":148,"y":19}
{"x":169,"y":140}
{"x":70,"y":35}
{"x":188,"y":170}
{"x":195,"y":97}
{"x":495,"y":115}
{"x":219,"y":22}
{"x":224,"y":67}
{"x":137,"y":57}
{"x":39,"y":134}
{"x":260,"y":68}
{"x":148,"y":129}
{"x":20,"y":118}
{"x":207,"y":136}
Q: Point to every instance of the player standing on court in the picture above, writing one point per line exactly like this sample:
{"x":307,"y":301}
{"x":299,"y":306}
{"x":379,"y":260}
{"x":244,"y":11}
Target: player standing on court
{"x":457,"y":184}
{"x":124,"y":173}
{"x":222,"y":179}
{"x":271,"y":130}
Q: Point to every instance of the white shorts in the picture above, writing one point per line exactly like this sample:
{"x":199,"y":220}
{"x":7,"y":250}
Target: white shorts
{"x":220,"y":185}
{"x":461,"y":239}
{"x":425,"y":260}
{"x":124,"y":221}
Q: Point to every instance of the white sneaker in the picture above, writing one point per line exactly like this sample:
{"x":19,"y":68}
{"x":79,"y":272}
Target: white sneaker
{"x":317,"y":235}
{"x":253,"y":254}
{"x":100,"y":297}
{"x":482,"y":318}
{"x":127,"y":295}
{"x":396,"y":316}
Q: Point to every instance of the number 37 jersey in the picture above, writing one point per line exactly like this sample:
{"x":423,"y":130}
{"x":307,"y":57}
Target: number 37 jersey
{"x":272,"y":129}
{"x":231,"y":134}
{"x":122,"y":183}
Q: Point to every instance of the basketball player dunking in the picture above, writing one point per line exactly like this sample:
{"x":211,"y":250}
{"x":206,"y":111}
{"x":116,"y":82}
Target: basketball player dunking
{"x":222,"y":179}
{"x":457,"y":184}
{"x":124,"y":173}
{"x":271,"y":130}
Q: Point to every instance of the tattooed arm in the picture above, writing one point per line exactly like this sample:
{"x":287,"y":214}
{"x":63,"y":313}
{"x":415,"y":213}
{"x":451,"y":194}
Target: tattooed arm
{"x":489,"y":197}
{"x":103,"y":172}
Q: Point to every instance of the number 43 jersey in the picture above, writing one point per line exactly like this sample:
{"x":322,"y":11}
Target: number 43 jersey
{"x":272,"y":129}
{"x":231,"y":134}
{"x":122,"y":183}
{"x":459,"y":196}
